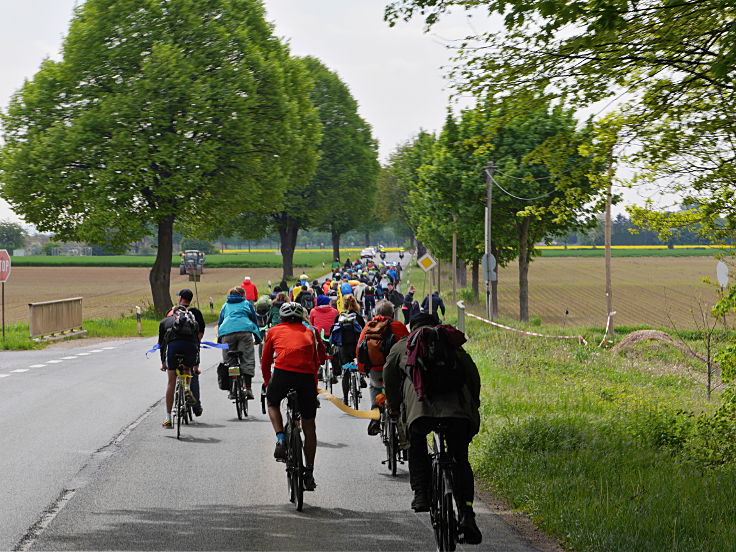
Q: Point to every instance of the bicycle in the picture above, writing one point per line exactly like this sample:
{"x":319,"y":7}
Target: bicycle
{"x":181,"y":411}
{"x":236,"y":384}
{"x":390,"y":438}
{"x":442,"y":509}
{"x":294,"y":451}
{"x":328,"y":371}
{"x":354,"y":391}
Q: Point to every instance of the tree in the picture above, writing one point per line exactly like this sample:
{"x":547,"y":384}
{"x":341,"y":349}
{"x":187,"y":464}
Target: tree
{"x":348,"y":166}
{"x":12,"y":235}
{"x":161,"y":112}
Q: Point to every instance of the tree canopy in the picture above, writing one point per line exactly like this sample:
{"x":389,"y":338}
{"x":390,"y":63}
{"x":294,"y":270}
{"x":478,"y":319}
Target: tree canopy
{"x":160,"y":112}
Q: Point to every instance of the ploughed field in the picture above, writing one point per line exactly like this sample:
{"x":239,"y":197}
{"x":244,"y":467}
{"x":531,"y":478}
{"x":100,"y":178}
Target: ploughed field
{"x":109,"y":291}
{"x":646,"y":290}
{"x":654,"y":291}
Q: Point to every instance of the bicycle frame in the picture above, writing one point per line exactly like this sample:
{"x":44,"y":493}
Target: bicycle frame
{"x":180,"y":406}
{"x":294,"y":458}
{"x":443,"y":499}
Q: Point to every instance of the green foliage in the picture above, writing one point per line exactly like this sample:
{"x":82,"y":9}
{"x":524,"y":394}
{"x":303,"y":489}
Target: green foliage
{"x":200,"y":245}
{"x":12,"y":235}
{"x":48,"y":246}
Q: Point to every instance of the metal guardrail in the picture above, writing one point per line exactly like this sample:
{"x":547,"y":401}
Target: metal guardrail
{"x":52,"y":317}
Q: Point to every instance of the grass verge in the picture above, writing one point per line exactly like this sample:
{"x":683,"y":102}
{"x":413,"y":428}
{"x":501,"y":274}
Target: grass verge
{"x":597,"y":448}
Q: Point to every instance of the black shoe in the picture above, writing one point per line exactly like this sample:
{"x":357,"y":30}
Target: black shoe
{"x":374,"y":427}
{"x":309,"y":484}
{"x":469,"y":529}
{"x":197,"y":410}
{"x":363,"y":384}
{"x":279,"y":453}
{"x":420,"y":502}
{"x":333,"y":380}
{"x":189,"y":397}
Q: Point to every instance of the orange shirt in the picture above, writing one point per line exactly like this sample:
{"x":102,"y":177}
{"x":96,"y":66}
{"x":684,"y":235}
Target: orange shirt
{"x":295,"y":348}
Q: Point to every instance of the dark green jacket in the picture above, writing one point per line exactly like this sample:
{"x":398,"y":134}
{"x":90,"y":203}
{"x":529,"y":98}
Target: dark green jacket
{"x":399,"y":389}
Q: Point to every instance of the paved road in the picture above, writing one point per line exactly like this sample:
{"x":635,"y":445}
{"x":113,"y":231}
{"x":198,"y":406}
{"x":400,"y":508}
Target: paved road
{"x":86,"y":465}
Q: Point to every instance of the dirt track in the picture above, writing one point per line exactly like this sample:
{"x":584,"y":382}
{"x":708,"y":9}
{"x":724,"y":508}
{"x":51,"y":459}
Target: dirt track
{"x":110,"y":292}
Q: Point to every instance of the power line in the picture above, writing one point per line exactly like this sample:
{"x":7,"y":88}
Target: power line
{"x":504,"y":190}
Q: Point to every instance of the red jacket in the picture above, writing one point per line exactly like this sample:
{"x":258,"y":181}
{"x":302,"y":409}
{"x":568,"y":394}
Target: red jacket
{"x":294,"y":345}
{"x":322,"y":318}
{"x":399,"y":330}
{"x":251,"y":291}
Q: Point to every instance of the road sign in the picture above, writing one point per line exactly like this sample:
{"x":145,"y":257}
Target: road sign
{"x":721,"y":273}
{"x":427,"y":262}
{"x":4,"y":265}
{"x":489,"y":267}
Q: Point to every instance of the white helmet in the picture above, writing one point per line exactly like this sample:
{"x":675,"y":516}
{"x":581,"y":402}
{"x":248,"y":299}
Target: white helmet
{"x":288,"y":310}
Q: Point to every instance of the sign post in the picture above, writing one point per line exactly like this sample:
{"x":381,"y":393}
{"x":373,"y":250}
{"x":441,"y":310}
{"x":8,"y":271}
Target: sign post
{"x":426,"y":262}
{"x":4,"y":275}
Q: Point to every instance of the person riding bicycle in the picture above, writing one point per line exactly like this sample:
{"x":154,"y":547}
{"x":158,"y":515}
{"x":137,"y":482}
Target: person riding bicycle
{"x":251,"y":291}
{"x":178,"y":336}
{"x":458,"y":409}
{"x":321,"y":319}
{"x":299,"y":353}
{"x":185,"y":298}
{"x":378,"y":337}
{"x":238,"y":327}
{"x":346,"y":329}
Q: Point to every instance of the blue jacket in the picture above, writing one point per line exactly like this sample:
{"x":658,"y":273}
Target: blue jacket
{"x":346,"y":289}
{"x":238,"y":315}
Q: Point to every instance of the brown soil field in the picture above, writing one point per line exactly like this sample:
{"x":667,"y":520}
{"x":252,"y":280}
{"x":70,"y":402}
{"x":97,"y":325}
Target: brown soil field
{"x":646,"y":290}
{"x":654,"y":291}
{"x":109,"y":292}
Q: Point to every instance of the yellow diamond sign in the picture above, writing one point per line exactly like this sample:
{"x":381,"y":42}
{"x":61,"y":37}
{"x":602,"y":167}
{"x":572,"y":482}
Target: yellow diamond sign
{"x":427,"y":262}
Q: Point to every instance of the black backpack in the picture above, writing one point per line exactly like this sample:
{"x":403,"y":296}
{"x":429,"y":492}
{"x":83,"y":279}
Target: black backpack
{"x":436,"y":369}
{"x":307,"y":300}
{"x":349,"y":328}
{"x":183,"y":326}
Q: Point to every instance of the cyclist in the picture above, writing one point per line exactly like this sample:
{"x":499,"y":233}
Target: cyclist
{"x":321,"y":318}
{"x":251,"y":291}
{"x":459,"y":410}
{"x":238,"y":327}
{"x":178,"y":335}
{"x":380,"y":326}
{"x":346,"y":322}
{"x":299,"y":353}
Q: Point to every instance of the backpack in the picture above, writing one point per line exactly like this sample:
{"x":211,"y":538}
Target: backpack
{"x":307,"y":300}
{"x":184,"y":326}
{"x":370,"y":291}
{"x":377,"y":342}
{"x":263,"y":304}
{"x":346,"y":330}
{"x":346,"y":288}
{"x":435,"y":369}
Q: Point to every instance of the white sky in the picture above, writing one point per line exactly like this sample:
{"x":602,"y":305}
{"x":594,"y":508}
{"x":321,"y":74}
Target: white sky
{"x":395,"y":74}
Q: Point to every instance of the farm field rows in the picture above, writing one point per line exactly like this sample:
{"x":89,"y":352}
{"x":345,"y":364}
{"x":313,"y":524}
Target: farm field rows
{"x":654,"y":291}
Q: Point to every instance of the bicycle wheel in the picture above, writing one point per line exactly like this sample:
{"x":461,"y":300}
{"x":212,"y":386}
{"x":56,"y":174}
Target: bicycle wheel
{"x":434,"y":503}
{"x":295,"y":443}
{"x":355,"y":390}
{"x":243,"y":399}
{"x":393,"y":447}
{"x":236,"y":390}
{"x":449,"y":522}
{"x":178,"y":407}
{"x":328,"y":375}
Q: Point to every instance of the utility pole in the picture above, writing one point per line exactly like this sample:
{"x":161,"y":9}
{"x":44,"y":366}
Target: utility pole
{"x":607,"y":240}
{"x":488,"y":273}
{"x":454,"y":259}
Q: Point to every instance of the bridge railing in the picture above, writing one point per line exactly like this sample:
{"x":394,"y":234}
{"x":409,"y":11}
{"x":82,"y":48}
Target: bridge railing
{"x":52,"y":317}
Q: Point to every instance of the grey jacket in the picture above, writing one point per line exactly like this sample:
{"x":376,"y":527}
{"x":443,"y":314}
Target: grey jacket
{"x":399,"y":389}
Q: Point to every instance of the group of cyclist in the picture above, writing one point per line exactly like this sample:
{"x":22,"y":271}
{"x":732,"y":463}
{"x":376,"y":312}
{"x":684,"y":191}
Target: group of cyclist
{"x":300,"y":324}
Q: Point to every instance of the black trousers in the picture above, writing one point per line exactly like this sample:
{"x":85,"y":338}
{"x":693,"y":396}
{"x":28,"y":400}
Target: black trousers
{"x":458,"y":438}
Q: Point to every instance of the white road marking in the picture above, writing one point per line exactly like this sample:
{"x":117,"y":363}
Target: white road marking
{"x":68,"y":358}
{"x":108,"y":348}
{"x":37,"y":365}
{"x":54,"y":361}
{"x":19,"y":371}
{"x":83,"y":354}
{"x":4,"y":375}
{"x":96,"y":351}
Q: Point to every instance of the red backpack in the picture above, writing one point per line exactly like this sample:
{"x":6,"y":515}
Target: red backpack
{"x":377,"y":342}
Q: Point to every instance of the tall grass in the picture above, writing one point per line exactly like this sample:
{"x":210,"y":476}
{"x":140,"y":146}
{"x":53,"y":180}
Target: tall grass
{"x":593,"y":446}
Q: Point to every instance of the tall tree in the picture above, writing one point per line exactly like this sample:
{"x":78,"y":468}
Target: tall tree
{"x":161,"y":112}
{"x":348,"y":166}
{"x":12,"y":235}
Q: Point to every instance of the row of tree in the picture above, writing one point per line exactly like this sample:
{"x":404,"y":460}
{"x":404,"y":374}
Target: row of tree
{"x":172,"y":114}
{"x":542,"y":162}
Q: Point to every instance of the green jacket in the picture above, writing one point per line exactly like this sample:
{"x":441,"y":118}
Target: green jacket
{"x":399,"y":389}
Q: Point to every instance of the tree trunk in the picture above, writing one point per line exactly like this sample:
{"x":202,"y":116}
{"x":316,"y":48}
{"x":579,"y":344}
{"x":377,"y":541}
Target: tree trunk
{"x":160,"y":275}
{"x":288,"y":231}
{"x":421,"y":250}
{"x":494,"y":284}
{"x":475,"y":270}
{"x":462,"y":273}
{"x":335,"y":241}
{"x":367,"y":238}
{"x":524,"y":258}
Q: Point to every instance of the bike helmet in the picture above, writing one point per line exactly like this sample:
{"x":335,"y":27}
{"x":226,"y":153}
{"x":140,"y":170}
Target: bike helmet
{"x":291,"y":310}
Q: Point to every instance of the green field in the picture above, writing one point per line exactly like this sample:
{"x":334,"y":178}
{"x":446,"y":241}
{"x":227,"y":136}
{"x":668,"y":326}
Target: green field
{"x":227,"y":260}
{"x":600,"y":251}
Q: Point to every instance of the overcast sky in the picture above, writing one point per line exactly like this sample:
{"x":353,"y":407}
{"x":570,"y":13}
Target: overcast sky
{"x":395,"y":74}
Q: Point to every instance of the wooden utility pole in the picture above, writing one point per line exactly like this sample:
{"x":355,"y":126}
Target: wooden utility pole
{"x":607,"y":240}
{"x":489,"y":200}
{"x":454,"y":260}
